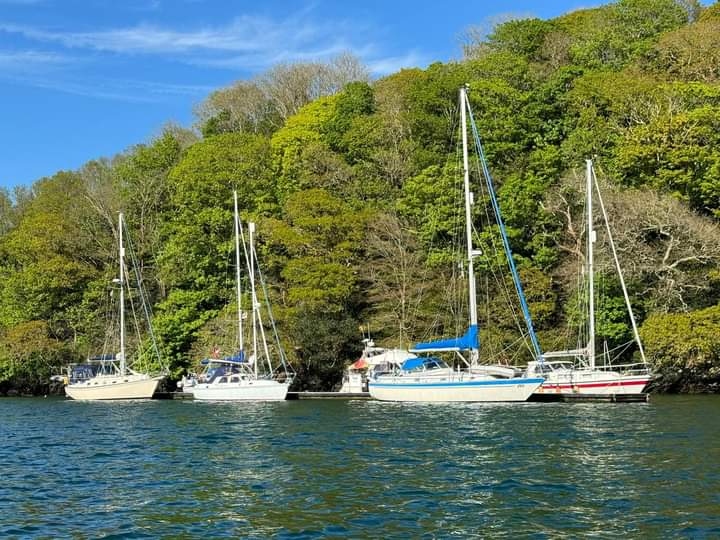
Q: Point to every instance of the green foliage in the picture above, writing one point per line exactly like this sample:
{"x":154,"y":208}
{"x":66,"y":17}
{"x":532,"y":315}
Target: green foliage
{"x":178,"y":321}
{"x":356,"y":100}
{"x":306,"y":128}
{"x":678,"y":154}
{"x":524,"y":37}
{"x":431,"y":200}
{"x":316,"y":246}
{"x":690,"y":53}
{"x":684,"y":347}
{"x":710,"y":13}
{"x":27,"y":356}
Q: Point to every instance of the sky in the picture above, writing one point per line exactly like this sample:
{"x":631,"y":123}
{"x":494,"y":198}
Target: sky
{"x":86,"y":79}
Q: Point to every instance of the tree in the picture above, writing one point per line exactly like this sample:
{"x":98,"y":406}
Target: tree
{"x":677,"y":153}
{"x":263,"y":104}
{"x":690,"y":53}
{"x":195,"y":261}
{"x":28,"y":354}
{"x":684,"y":348}
{"x":314,"y":252}
{"x":666,"y":251}
{"x":397,"y":279}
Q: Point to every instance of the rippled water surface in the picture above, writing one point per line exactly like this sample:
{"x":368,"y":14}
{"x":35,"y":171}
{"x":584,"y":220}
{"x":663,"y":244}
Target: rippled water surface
{"x":359,"y":469}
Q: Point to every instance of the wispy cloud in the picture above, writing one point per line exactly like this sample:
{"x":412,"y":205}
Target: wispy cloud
{"x":245,"y":34}
{"x":132,"y":91}
{"x":247,"y":43}
{"x":28,"y":60}
{"x":391,"y":64}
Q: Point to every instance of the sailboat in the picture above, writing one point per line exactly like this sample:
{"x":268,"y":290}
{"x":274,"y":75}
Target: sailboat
{"x":583,"y":370}
{"x":237,"y":377}
{"x":373,"y":361}
{"x":430,"y":378}
{"x":110,"y":376}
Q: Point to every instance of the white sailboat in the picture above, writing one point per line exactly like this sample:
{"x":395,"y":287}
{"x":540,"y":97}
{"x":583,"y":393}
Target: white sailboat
{"x":583,"y":370}
{"x":373,"y":361}
{"x":238,"y":378}
{"x":109,"y":376}
{"x":429,"y":378}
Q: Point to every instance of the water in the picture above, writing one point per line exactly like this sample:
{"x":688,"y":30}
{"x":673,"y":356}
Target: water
{"x":359,"y":469}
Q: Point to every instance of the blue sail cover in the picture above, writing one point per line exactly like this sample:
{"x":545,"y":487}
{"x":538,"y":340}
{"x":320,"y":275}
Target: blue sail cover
{"x":237,"y":359}
{"x":464,"y":343}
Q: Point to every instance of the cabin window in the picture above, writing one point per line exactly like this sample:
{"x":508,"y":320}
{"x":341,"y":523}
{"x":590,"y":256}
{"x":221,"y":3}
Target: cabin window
{"x":235,"y":379}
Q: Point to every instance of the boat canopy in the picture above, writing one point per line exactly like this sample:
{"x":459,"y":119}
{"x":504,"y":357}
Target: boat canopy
{"x":419,"y":363}
{"x":412,"y":363}
{"x":464,"y":343}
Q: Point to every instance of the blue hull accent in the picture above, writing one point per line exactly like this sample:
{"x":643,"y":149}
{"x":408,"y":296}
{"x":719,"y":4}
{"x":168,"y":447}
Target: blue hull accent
{"x":458,"y":384}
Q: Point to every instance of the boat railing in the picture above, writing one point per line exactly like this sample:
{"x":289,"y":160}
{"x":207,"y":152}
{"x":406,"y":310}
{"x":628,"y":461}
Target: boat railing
{"x":637,"y":368}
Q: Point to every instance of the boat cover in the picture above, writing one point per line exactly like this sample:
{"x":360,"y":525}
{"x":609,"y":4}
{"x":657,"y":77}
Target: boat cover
{"x":237,"y":359}
{"x":467,"y":342}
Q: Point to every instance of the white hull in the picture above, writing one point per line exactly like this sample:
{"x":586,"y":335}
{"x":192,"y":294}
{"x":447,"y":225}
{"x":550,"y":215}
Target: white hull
{"x":114,"y":387}
{"x":448,"y":390}
{"x":593,"y":382}
{"x":246,"y":390}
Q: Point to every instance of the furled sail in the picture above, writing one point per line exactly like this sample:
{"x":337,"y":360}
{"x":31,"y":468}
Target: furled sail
{"x":467,"y":342}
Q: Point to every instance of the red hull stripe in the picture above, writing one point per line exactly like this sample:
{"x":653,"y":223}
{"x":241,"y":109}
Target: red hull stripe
{"x":595,"y":385}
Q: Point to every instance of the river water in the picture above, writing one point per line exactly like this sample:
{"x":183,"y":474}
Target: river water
{"x":359,"y":469}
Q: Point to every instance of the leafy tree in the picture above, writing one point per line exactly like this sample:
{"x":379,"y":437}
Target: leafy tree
{"x":195,"y":261}
{"x":28,"y":354}
{"x":676,"y":153}
{"x":524,"y":37}
{"x":685,"y":348}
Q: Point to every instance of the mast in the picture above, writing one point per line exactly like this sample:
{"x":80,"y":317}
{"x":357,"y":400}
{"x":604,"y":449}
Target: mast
{"x":468,"y":220}
{"x":503,"y":235}
{"x":620,"y":273}
{"x":237,"y":270}
{"x":259,"y":316}
{"x":591,"y":277}
{"x":251,"y":229}
{"x":122,"y":295}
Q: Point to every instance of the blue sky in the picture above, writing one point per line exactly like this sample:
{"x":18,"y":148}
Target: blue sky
{"x":85,"y":79}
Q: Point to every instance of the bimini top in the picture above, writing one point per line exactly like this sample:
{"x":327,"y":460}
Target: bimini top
{"x":464,"y":343}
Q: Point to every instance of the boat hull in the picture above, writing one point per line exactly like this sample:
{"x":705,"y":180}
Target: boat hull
{"x":496,"y":390}
{"x":254,"y":390}
{"x":594,"y":383}
{"x":108,"y":388}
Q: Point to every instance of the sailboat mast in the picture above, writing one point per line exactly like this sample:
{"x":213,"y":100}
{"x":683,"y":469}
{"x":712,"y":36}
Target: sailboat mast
{"x":468,"y":213}
{"x":590,"y":270}
{"x":122,"y":295}
{"x":237,"y":270}
{"x":620,"y":273}
{"x":251,"y":229}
